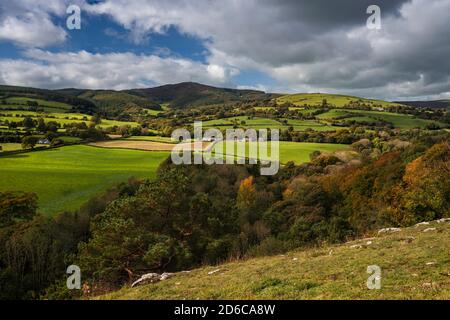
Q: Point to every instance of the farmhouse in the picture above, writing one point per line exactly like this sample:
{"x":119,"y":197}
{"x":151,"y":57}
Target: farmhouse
{"x":43,"y":141}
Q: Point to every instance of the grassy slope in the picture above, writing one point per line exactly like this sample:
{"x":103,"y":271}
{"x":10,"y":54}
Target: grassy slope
{"x":66,"y":177}
{"x":185,"y":94}
{"x":263,"y":123}
{"x":62,"y":118}
{"x":10,"y":146}
{"x":402,"y":121}
{"x":418,"y":268}
{"x":334,"y":99}
{"x":115,"y":99}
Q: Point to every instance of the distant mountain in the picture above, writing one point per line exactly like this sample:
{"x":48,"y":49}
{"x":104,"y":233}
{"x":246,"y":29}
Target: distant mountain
{"x":114,"y":102}
{"x":195,"y":94}
{"x":444,"y":104}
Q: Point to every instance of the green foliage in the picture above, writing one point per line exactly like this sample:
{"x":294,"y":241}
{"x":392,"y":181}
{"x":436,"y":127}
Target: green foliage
{"x":29,"y":142}
{"x":16,"y":206}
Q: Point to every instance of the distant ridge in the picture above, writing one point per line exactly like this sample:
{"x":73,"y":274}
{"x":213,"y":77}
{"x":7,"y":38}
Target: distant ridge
{"x":195,"y":94}
{"x":444,"y":104}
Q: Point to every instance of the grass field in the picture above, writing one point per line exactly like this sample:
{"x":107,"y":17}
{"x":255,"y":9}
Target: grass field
{"x":401,"y":121}
{"x":315,"y":99}
{"x":62,"y":118}
{"x":64,"y":178}
{"x":10,"y":146}
{"x":414,"y":265}
{"x":297,"y":152}
{"x":263,"y":123}
{"x":48,"y":106}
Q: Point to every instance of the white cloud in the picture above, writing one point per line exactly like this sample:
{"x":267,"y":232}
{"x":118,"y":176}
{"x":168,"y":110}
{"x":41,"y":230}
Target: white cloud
{"x":31,"y":31}
{"x":28,"y":23}
{"x":105,"y":71}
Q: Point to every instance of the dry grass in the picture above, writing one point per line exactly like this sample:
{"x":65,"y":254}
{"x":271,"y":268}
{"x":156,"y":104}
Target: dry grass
{"x":415,"y":265}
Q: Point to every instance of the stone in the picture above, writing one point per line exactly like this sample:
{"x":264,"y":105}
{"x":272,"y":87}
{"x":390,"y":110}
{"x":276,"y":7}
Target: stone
{"x":421,"y":224}
{"x":389,"y":230}
{"x":147,"y":278}
{"x":151,"y":278}
{"x":214,"y":271}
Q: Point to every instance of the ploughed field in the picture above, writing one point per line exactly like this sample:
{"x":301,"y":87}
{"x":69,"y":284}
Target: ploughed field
{"x":65,"y":178}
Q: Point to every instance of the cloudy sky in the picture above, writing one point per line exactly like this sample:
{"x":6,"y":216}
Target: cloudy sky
{"x":276,"y":46}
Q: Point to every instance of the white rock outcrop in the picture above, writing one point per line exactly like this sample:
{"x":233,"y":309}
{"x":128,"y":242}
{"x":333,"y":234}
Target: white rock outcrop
{"x":151,"y":278}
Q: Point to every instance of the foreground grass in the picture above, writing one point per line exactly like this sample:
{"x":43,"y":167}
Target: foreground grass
{"x":66,"y":177}
{"x":414,"y":264}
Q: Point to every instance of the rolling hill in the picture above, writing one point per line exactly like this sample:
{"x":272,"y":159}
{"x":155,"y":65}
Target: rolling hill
{"x":194,"y":94}
{"x":336,"y":100}
{"x":59,"y":101}
{"x":440,"y":104}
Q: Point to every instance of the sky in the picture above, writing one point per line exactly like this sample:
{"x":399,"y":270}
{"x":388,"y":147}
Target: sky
{"x":280,"y":46}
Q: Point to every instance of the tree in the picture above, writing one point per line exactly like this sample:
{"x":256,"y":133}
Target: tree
{"x":427,"y":192}
{"x":29,"y":142}
{"x":16,"y":206}
{"x":41,"y":125}
{"x":28,"y":123}
{"x":96,"y":119}
{"x":52,"y":126}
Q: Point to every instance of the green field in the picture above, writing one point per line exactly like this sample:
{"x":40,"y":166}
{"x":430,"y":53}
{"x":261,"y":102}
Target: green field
{"x":62,"y":118}
{"x":65,"y":178}
{"x":315,"y":99}
{"x":401,"y":121}
{"x":10,"y":146}
{"x":298,"y":152}
{"x":24,"y":100}
{"x":263,"y":123}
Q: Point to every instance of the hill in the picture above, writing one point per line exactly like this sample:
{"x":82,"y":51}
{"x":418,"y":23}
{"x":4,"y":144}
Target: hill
{"x":46,"y":99}
{"x":195,"y":94}
{"x":440,"y":104}
{"x":108,"y":100}
{"x":414,"y":265}
{"x":336,"y":100}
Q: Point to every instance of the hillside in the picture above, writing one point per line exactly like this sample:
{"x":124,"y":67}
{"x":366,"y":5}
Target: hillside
{"x":443,"y":104}
{"x":336,"y":100}
{"x":47,"y":99}
{"x":194,"y":94}
{"x":414,"y":263}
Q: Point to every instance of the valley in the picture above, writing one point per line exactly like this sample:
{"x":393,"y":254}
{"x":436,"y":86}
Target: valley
{"x":92,"y":168}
